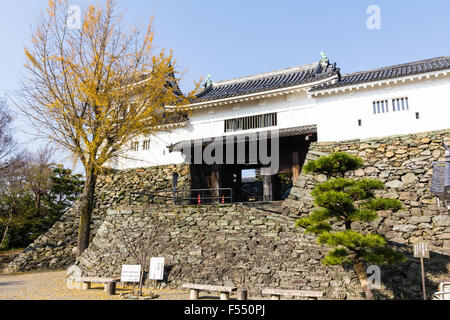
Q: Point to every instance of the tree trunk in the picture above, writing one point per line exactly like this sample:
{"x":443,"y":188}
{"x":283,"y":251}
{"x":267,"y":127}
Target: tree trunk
{"x":362,"y":275}
{"x":38,"y":204}
{"x":5,"y":233}
{"x":141,"y":281}
{"x":86,"y":208}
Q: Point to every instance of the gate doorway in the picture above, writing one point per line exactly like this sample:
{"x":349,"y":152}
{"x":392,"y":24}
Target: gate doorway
{"x":251,"y":182}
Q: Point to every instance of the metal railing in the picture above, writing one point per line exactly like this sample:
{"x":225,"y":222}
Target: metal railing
{"x":186,"y":197}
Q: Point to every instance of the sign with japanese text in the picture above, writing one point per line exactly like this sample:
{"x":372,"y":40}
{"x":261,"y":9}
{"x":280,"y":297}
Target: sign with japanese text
{"x":156,"y":269}
{"x":130,"y":273}
{"x":421,"y":250}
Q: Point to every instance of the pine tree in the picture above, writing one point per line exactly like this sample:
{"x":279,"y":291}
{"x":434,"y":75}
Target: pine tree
{"x":344,"y":201}
{"x":66,"y":187}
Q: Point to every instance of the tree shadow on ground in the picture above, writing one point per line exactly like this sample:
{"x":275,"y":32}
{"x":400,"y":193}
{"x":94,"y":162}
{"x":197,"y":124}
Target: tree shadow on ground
{"x":404,"y":281}
{"x":10,"y":283}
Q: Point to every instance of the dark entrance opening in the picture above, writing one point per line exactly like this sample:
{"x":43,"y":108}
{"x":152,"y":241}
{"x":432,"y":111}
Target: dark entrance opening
{"x":248,"y":177}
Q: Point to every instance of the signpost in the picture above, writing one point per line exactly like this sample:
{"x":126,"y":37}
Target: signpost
{"x":156,"y":269}
{"x":174,"y":184}
{"x":422,"y":251}
{"x":130,"y":273}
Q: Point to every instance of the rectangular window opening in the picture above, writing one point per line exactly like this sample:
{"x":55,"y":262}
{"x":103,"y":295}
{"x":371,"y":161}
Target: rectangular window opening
{"x":380,"y":107}
{"x":146,"y":145}
{"x":252,"y":122}
{"x":135,"y":146}
{"x":398,"y":104}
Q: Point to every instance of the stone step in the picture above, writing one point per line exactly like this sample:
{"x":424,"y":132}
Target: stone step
{"x":271,"y":207}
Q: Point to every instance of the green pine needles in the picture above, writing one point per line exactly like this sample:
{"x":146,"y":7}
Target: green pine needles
{"x":344,"y":201}
{"x":336,"y":164}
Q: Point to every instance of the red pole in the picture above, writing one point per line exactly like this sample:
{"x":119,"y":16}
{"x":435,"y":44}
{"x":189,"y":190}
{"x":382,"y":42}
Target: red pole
{"x":199,"y":199}
{"x":223,"y":199}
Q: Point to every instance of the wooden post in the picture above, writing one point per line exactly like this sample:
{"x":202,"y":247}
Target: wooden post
{"x":111,"y":288}
{"x":242,"y":294}
{"x":194,"y":294}
{"x":424,"y":289}
{"x":276,"y":188}
{"x":86,"y":285}
{"x":174,"y":187}
{"x":422,"y":250}
{"x":224,"y":296}
{"x":295,"y":166}
{"x":238,"y":186}
{"x":215,"y":182}
{"x":267,"y":188}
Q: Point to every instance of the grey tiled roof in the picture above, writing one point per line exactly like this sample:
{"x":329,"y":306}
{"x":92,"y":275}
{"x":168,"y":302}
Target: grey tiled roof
{"x":288,"y":132}
{"x":441,"y":178}
{"x":171,"y":82}
{"x":392,"y":72}
{"x":297,"y":131}
{"x":314,"y":72}
{"x":267,"y":81}
{"x":173,"y":117}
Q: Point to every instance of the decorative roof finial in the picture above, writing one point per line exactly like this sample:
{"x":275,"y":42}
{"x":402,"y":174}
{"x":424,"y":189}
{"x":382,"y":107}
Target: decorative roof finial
{"x":208,"y":81}
{"x":324,"y":60}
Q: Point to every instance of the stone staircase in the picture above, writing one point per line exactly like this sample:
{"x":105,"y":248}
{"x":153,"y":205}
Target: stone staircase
{"x":269,"y":207}
{"x":275,"y":208}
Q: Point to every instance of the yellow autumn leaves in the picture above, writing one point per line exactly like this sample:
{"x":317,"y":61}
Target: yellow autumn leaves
{"x":95,"y":89}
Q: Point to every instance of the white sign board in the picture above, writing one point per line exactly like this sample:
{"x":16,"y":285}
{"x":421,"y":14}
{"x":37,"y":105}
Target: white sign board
{"x":445,"y":287}
{"x":156,"y":269}
{"x":421,"y":250}
{"x":130,"y":273}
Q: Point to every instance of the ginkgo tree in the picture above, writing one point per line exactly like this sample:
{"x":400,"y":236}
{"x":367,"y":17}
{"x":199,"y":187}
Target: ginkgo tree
{"x":340,"y":203}
{"x":93,"y":89}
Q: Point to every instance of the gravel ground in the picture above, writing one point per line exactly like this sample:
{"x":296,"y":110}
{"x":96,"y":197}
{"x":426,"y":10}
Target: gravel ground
{"x":51,"y":286}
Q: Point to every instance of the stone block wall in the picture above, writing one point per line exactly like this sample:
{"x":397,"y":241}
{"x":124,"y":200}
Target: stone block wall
{"x":245,"y":247}
{"x":255,"y":248}
{"x":405,"y":165}
{"x":56,"y":249}
{"x":222,"y":245}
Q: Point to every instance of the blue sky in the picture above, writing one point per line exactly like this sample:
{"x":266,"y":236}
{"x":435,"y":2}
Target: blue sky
{"x":234,"y":38}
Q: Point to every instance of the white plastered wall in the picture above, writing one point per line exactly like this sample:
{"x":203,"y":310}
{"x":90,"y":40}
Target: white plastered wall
{"x":340,"y":112}
{"x":336,"y":116}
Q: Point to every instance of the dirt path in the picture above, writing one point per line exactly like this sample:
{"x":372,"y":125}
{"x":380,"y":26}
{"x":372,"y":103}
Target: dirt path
{"x":51,"y":286}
